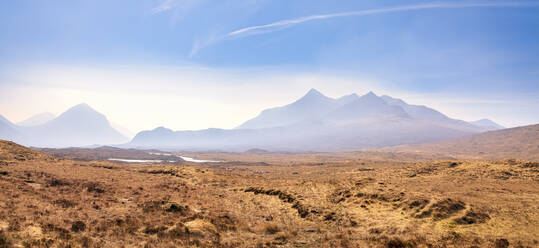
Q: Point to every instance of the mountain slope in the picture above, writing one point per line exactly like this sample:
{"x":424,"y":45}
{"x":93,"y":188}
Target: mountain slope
{"x":8,"y":130}
{"x":37,"y":119}
{"x":416,"y":111}
{"x":519,"y":142}
{"x":368,"y":105}
{"x":424,"y":113}
{"x":310,"y":106}
{"x":487,"y":124}
{"x":10,"y":151}
{"x":78,"y":126}
{"x":123,"y":130}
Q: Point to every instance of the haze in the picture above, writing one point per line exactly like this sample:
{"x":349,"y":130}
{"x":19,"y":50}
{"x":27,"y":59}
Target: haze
{"x":190,"y":65}
{"x":269,"y":123}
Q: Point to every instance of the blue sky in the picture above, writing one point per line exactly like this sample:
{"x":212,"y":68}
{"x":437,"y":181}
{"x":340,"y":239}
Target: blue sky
{"x":468,"y":59}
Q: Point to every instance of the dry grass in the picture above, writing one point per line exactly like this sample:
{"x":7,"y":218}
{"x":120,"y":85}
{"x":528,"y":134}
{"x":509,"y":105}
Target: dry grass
{"x":47,"y":202}
{"x":518,"y":142}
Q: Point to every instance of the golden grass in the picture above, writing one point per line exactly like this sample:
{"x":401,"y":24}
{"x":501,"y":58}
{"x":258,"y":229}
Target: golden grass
{"x":47,"y":202}
{"x":518,"y":142}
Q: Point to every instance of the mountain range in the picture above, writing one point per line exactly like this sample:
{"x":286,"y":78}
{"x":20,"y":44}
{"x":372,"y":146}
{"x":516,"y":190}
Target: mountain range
{"x":316,"y":122}
{"x":78,"y":126}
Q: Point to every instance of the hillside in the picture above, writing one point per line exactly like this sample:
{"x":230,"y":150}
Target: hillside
{"x":519,"y":142}
{"x":11,"y":152}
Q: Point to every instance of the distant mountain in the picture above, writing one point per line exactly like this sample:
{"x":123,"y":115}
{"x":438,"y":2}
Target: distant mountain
{"x":311,"y":106}
{"x":519,"y":142}
{"x":423,"y":113}
{"x":255,"y":151}
{"x":160,"y":135}
{"x":37,"y":119}
{"x":8,"y":130}
{"x":416,"y":111}
{"x":487,"y":124}
{"x":79,"y":126}
{"x":365,"y":106}
{"x":316,"y":122}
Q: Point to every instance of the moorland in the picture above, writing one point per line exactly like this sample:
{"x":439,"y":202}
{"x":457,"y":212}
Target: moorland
{"x":369,"y":199}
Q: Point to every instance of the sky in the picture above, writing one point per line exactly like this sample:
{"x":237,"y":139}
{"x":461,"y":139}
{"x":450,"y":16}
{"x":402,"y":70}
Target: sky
{"x":195,"y":64}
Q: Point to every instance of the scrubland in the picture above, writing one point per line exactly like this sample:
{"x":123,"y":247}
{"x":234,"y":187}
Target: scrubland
{"x":281,"y":201}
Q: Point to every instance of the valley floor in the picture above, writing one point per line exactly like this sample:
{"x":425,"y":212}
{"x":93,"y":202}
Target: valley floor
{"x":52,"y":202}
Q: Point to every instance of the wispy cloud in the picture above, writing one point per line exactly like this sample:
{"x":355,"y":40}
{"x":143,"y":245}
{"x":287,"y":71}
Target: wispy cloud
{"x":164,"y":6}
{"x":275,"y":26}
{"x":199,"y":43}
{"x":180,"y":7}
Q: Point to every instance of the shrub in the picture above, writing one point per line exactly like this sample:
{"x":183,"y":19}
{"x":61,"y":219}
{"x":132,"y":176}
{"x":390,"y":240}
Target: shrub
{"x":271,"y":228}
{"x":4,"y":241}
{"x":501,"y":243}
{"x":78,"y":226}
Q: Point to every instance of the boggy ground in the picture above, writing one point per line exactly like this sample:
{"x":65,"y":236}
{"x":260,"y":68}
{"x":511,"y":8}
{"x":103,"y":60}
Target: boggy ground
{"x":51,"y":202}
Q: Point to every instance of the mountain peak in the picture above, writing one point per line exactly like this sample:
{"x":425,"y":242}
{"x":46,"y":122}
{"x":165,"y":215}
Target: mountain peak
{"x":485,"y":120}
{"x":353,"y":95}
{"x":309,"y":106}
{"x":372,"y":98}
{"x":81,"y":106}
{"x":313,"y":93}
{"x":162,"y":129}
{"x":80,"y":125}
{"x":371,"y":94}
{"x":82,"y":113}
{"x":489,"y":124}
{"x":347,"y":98}
{"x":313,"y":96}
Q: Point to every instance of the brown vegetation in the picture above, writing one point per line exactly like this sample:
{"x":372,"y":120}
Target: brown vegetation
{"x":519,"y":142}
{"x":287,"y":201}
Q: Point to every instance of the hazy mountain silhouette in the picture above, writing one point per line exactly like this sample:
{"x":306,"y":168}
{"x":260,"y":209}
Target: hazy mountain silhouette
{"x":424,"y":113}
{"x":37,"y":119}
{"x":159,"y":135}
{"x":8,"y":130}
{"x":416,"y":111}
{"x":487,"y":124}
{"x":314,"y":122}
{"x":79,"y":126}
{"x":311,"y":106}
{"x":317,"y":122}
{"x":368,"y":105}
